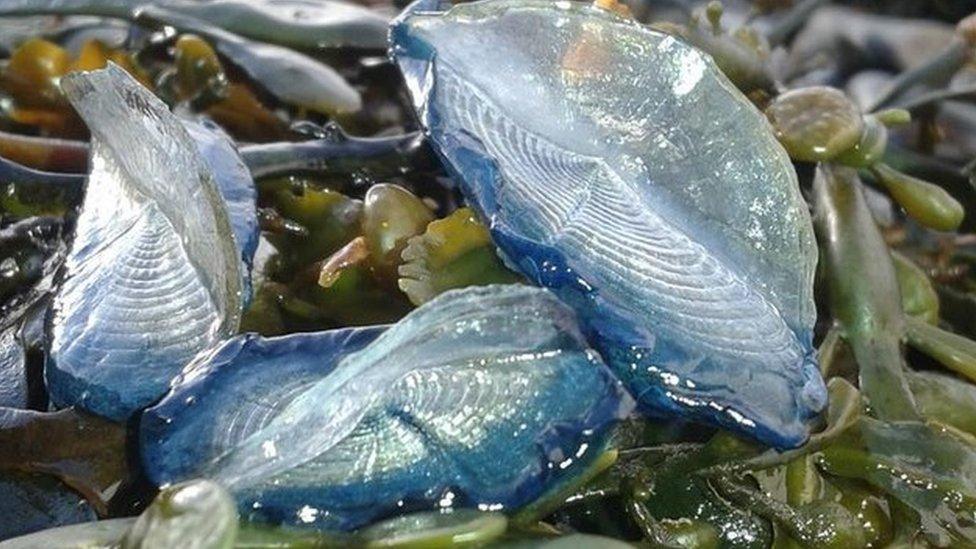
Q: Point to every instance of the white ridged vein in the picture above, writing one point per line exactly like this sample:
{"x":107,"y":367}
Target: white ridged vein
{"x":153,"y":275}
{"x":457,"y":368}
{"x":640,"y":262}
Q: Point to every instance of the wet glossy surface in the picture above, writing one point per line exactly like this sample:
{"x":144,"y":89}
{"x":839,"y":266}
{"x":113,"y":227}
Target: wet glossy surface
{"x":288,"y":74}
{"x":153,"y":275}
{"x":298,"y":23}
{"x":302,"y":24}
{"x":618,"y":167}
{"x":484,"y":397}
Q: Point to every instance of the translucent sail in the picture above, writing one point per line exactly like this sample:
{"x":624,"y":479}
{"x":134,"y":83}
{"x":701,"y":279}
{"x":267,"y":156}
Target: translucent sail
{"x":484,"y":397}
{"x":617,"y":166}
{"x":154,"y":274}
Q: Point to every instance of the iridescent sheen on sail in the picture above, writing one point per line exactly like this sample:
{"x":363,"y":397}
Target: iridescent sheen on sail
{"x":618,"y":167}
{"x":484,"y":397}
{"x":154,"y":274}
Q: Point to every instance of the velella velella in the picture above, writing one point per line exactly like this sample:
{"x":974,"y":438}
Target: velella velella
{"x":618,"y":167}
{"x":180,"y":435}
{"x":154,"y":272}
{"x":484,"y":397}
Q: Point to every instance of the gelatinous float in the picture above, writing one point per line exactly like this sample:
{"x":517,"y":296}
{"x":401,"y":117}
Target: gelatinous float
{"x":484,"y":397}
{"x":155,"y":272}
{"x":618,"y":167}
